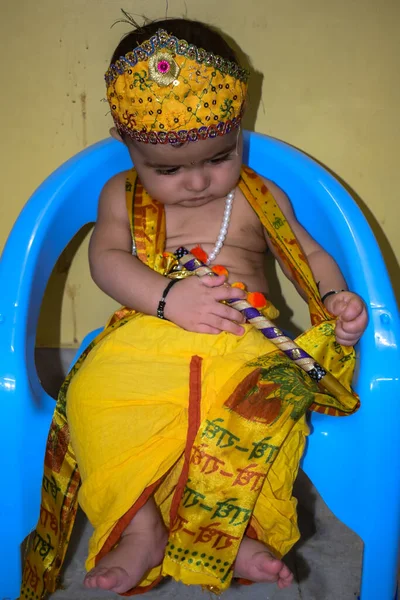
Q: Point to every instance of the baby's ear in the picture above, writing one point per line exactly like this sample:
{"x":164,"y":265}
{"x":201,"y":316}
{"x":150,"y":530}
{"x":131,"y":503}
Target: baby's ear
{"x":114,"y":134}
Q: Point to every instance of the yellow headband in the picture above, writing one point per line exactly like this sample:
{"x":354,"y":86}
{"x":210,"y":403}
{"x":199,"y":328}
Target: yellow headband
{"x":168,"y":90}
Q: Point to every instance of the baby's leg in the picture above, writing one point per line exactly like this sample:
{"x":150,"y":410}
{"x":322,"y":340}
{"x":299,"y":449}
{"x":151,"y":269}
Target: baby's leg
{"x":275,"y":513}
{"x":140,"y":549}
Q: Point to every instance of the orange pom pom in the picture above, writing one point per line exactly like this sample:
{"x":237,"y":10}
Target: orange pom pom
{"x":238,"y":284}
{"x":219,"y":270}
{"x":257,"y":299}
{"x":199,"y":253}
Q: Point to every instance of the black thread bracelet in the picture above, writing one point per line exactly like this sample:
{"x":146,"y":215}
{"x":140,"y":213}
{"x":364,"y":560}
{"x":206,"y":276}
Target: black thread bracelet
{"x":161,"y":304}
{"x":330,"y":293}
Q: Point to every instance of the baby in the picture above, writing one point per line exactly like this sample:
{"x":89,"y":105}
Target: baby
{"x":187,"y":424}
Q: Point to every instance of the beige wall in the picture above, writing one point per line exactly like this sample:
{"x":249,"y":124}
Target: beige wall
{"x":331,"y":87}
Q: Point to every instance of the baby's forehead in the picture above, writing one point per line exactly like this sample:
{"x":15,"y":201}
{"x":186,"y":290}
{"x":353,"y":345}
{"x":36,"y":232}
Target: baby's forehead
{"x":188,"y":152}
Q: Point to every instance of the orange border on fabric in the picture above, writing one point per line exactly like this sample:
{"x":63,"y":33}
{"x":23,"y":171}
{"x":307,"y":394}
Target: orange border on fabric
{"x":193,"y":426}
{"x":194,"y":419}
{"x":120,"y":527}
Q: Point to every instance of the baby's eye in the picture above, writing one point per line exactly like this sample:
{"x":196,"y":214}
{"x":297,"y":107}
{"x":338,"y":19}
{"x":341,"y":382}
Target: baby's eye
{"x":220,"y":159}
{"x":167,"y":171}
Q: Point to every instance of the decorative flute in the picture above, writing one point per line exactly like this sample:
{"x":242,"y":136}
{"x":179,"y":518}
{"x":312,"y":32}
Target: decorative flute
{"x":299,"y":356}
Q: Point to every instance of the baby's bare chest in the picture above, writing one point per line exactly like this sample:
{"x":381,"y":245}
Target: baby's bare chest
{"x":202,"y":225}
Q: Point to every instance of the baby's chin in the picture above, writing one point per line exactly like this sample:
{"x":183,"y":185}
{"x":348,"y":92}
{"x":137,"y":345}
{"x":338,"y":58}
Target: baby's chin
{"x":199,"y":201}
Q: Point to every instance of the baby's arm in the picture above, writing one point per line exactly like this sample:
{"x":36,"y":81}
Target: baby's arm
{"x":347,"y":306}
{"x":193,"y":303}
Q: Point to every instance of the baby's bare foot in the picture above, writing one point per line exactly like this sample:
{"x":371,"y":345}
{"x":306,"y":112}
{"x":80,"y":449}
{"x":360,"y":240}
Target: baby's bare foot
{"x":256,"y":563}
{"x":141,"y":548}
{"x":115,"y":579}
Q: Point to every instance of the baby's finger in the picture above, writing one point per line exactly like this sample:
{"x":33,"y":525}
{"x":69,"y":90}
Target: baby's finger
{"x":359,"y":323}
{"x":226,"y":292}
{"x":352,"y":309}
{"x":225,"y":325}
{"x":343,"y":335}
{"x":347,"y":342}
{"x":336,"y":304}
{"x":222,"y":310}
{"x":346,"y":338}
{"x":213,"y":280}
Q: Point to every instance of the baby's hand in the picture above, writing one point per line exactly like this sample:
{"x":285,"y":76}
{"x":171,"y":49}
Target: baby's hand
{"x":195,"y":305}
{"x":352,"y":317}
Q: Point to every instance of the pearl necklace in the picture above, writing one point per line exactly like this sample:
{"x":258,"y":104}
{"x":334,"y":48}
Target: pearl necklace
{"x":222,"y":232}
{"x":224,"y":228}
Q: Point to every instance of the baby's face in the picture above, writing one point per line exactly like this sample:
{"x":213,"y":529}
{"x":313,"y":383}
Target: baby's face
{"x":190,"y":175}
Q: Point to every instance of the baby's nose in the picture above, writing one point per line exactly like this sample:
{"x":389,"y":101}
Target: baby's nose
{"x":198,"y":180}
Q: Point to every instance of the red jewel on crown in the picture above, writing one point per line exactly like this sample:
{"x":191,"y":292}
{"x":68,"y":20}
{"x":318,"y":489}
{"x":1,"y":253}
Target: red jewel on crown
{"x":163,"y":69}
{"x":163,"y":66}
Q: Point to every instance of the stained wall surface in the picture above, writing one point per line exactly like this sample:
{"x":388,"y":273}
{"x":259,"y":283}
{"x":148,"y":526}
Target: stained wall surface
{"x":329,"y":80}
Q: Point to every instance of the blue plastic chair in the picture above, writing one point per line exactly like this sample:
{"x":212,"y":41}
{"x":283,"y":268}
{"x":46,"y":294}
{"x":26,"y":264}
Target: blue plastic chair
{"x":354,"y":461}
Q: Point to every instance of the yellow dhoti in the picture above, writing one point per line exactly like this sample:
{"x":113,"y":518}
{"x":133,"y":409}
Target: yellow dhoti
{"x":129,"y":414}
{"x":213,"y":426}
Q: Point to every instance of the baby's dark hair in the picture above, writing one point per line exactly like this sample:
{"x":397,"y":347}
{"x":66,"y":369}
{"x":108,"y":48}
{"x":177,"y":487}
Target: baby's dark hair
{"x":194,"y":32}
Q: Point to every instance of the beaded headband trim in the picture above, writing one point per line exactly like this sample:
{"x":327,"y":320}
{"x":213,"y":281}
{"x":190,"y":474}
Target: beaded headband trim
{"x":167,"y":90}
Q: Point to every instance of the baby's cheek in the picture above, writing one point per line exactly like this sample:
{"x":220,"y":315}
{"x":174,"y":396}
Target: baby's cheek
{"x":228,"y":173}
{"x":165,"y":189}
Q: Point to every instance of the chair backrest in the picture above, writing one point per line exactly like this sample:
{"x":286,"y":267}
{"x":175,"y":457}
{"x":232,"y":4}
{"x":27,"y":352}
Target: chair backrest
{"x":68,"y":199}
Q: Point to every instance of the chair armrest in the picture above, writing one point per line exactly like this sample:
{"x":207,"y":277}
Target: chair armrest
{"x":59,"y":208}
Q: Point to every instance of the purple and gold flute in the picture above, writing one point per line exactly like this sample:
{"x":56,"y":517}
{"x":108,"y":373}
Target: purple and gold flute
{"x":299,"y":356}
